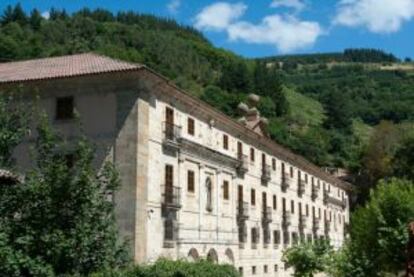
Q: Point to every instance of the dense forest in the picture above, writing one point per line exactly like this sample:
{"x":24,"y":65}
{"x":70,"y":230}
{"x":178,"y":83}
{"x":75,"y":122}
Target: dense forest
{"x":332,"y":108}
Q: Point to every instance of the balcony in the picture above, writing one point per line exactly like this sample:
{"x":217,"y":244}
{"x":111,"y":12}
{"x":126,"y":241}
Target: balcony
{"x":315,"y":191}
{"x":287,"y":219}
{"x":171,"y":197}
{"x":327,"y":226}
{"x":316,"y":224}
{"x":266,"y":174}
{"x":301,"y":187}
{"x":243,"y":165}
{"x":285,"y":181}
{"x":172,"y":135}
{"x":242,"y":211}
{"x":267,"y":215}
{"x":303,"y":222}
{"x":329,"y":199}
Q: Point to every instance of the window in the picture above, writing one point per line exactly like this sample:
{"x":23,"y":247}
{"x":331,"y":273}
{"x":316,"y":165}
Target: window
{"x":169,"y":175}
{"x":291,"y":172}
{"x":276,"y":237}
{"x":274,"y":164}
{"x":169,"y":228}
{"x":292,"y":206}
{"x":241,"y":271}
{"x":265,"y":269}
{"x":226,"y":142}
{"x":190,"y":126}
{"x":295,"y":238}
{"x":226,"y":194}
{"x":64,"y":108}
{"x":209,"y":189}
{"x":190,"y":181}
{"x":253,"y":197}
{"x":307,"y":210}
{"x":253,"y":269}
{"x":286,"y":238}
{"x":70,"y":160}
{"x":276,"y":268}
{"x":274,"y":202}
{"x":252,"y":154}
{"x":255,"y":235}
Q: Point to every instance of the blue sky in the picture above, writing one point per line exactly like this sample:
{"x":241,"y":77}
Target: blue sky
{"x":270,"y":27}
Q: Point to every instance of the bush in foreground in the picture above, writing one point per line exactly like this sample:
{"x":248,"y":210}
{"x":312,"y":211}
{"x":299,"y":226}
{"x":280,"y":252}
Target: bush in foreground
{"x":168,"y":268}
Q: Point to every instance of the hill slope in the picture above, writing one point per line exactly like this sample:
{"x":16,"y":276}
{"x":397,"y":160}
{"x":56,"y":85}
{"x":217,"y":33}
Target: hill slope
{"x":323,"y":112}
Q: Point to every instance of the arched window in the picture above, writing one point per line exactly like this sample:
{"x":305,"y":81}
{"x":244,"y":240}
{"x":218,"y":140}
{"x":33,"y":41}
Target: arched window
{"x":192,"y":255}
{"x":212,"y":256}
{"x":209,"y":190}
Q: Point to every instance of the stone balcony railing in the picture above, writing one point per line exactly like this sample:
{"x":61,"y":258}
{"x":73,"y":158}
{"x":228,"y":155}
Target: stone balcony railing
{"x":266,"y":174}
{"x":171,"y":197}
{"x":172,"y":135}
{"x":286,"y":179}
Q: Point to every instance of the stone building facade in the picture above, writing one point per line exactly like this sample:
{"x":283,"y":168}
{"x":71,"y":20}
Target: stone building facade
{"x":195,"y":183}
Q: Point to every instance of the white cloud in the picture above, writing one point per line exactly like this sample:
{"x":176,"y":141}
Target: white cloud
{"x":45,"y":14}
{"x":378,"y":16}
{"x":297,"y":5}
{"x":219,"y":16}
{"x":173,"y":6}
{"x":286,"y":33}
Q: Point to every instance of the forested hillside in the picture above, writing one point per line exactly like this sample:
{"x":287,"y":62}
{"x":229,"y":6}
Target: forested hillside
{"x":328,"y":107}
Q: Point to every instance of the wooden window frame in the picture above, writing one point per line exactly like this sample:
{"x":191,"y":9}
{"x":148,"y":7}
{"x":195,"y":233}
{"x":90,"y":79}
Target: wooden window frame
{"x":226,"y":190}
{"x":190,"y":181}
{"x":191,"y":126}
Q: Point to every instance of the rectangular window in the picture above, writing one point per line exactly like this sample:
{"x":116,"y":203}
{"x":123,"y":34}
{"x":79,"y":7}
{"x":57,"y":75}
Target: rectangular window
{"x":168,"y":175}
{"x":253,"y":197}
{"x":283,"y":204}
{"x":274,"y":202}
{"x":276,"y":237}
{"x":190,"y":126}
{"x":307,"y":210}
{"x":253,"y":270}
{"x":274,"y":164}
{"x":190,"y":181}
{"x":226,"y":194}
{"x":241,"y":271}
{"x":265,"y":269}
{"x":276,"y":268}
{"x":286,"y":237}
{"x":226,"y":142}
{"x":252,"y":154}
{"x":292,"y":206}
{"x":64,"y":108}
{"x":291,"y":172}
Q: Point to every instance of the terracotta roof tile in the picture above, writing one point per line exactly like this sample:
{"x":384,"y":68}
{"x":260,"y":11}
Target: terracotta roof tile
{"x":61,"y":67}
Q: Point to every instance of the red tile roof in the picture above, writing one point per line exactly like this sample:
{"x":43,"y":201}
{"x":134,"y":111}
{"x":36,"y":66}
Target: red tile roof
{"x":61,"y":67}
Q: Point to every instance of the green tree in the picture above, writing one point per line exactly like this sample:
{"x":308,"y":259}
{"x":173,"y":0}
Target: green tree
{"x":60,"y":220}
{"x":403,"y":161}
{"x":13,"y":128}
{"x":308,"y":258}
{"x":35,"y":19}
{"x":379,"y":230}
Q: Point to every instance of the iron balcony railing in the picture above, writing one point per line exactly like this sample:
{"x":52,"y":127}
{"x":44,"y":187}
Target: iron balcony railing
{"x":315,"y":191}
{"x":329,"y":199}
{"x":267,"y":215}
{"x":243,"y":166}
{"x":172,"y":133}
{"x":301,"y":187}
{"x":285,"y":181}
{"x":171,"y":196}
{"x":316,"y":223}
{"x":266,"y":173}
{"x":242,"y":211}
{"x":303,"y":221}
{"x":286,"y":219}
